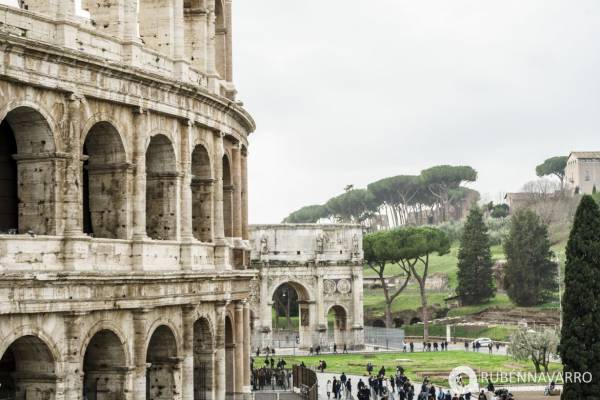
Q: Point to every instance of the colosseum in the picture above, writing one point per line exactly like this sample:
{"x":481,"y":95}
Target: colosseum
{"x":123,"y":202}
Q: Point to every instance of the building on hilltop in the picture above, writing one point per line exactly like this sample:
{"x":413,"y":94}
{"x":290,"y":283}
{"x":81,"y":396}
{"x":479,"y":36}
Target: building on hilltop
{"x":582,"y":173}
{"x":124,"y":251}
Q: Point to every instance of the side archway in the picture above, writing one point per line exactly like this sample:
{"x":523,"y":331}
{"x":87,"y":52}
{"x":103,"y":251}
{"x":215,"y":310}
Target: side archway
{"x":28,"y":160}
{"x":337,"y":325}
{"x":202,"y":194}
{"x":106,"y":174}
{"x":163,"y":371}
{"x":161,"y":189}
{"x":104,"y":366}
{"x":28,"y":366}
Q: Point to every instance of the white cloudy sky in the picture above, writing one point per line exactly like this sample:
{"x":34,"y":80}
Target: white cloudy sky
{"x":350,"y":91}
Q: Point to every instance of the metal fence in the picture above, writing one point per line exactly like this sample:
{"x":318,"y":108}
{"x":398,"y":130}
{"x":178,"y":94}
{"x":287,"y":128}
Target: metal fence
{"x":305,"y":380}
{"x":386,"y":338}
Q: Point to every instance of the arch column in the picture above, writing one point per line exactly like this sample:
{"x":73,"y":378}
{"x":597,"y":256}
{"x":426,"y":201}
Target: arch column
{"x":72,"y":199}
{"x":246,"y":346}
{"x":140,"y":121}
{"x":220,"y":367}
{"x":187,"y":233}
{"x":236,"y":178}
{"x":140,"y":327}
{"x":73,"y":372}
{"x":244,"y":195}
{"x":240,"y":367}
{"x":187,"y":373}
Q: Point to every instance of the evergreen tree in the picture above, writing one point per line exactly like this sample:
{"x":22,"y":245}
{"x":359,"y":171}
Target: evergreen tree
{"x":579,"y":347}
{"x":475,"y":280}
{"x":530,"y":272}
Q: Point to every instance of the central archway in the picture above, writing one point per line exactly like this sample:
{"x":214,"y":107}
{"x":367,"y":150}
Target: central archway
{"x":28,"y":366}
{"x":337,"y":325}
{"x":104,"y":367}
{"x":291,"y":317}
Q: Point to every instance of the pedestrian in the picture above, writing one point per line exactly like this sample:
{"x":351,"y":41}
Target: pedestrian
{"x":497,"y":346}
{"x":335,"y":348}
{"x":482,"y":396}
{"x":348,"y":390}
{"x":329,"y":387}
{"x":490,"y":348}
{"x":466,"y":346}
{"x":412,"y":347}
{"x":345,"y":351}
{"x":393,"y":384}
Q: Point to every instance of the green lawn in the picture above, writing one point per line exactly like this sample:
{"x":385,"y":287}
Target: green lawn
{"x":436,"y":365}
{"x":500,"y":333}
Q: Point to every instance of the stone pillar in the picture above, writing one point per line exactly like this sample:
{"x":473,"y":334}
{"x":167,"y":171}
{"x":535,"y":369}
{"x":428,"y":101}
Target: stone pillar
{"x":211,"y":19}
{"x":187,"y":373}
{"x":265,"y":309}
{"x":229,"y":41}
{"x":178,"y":30}
{"x":219,"y":230}
{"x":73,"y":373}
{"x":357,"y":308}
{"x":220,"y":364}
{"x":247,"y":350}
{"x":236,"y":178}
{"x":240,"y":368}
{"x":130,"y":21}
{"x":187,"y":233}
{"x":244,"y":191}
{"x":140,"y":123}
{"x":140,"y":328}
{"x":72,"y":201}
{"x":321,"y":317}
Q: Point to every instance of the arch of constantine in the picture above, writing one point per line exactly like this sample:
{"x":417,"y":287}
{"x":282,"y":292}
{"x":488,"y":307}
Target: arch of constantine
{"x":323,"y":265}
{"x":124,"y":252}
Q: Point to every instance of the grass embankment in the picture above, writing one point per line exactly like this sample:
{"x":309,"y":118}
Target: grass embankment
{"x":436,"y":365}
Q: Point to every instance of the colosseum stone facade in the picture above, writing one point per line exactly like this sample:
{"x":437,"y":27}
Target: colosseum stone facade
{"x":123,"y":202}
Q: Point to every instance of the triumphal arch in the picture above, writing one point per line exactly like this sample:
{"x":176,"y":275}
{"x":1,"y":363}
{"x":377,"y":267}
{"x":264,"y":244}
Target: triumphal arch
{"x":124,"y":253}
{"x":322,"y":263}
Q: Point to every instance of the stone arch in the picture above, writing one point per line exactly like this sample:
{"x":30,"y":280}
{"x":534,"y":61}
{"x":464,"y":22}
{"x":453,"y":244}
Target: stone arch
{"x":398,"y":322}
{"x":106,"y":118}
{"x":306,"y":313}
{"x":379,"y":323}
{"x":105,"y":181}
{"x":28,"y":363}
{"x":202,"y":194}
{"x":415,"y":320}
{"x":39,"y":114}
{"x":203,"y":349}
{"x":104,"y":365}
{"x":339,"y":325}
{"x":227,"y":196}
{"x":161,"y":188}
{"x":28,"y":158}
{"x":163,"y":378}
{"x":106,"y":325}
{"x":305,"y":293}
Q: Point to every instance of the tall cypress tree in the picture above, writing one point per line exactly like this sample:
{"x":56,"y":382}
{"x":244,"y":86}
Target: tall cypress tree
{"x":579,"y":344}
{"x":475,"y":280}
{"x":530,"y":272}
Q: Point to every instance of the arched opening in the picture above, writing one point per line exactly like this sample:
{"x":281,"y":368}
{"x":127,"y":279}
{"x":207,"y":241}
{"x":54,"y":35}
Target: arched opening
{"x":221,"y":42}
{"x":379,"y":323}
{"x":415,"y":320}
{"x":28,"y":370}
{"x":398,"y":322}
{"x":104,"y":367}
{"x":28,"y":187}
{"x":161,"y":189}
{"x":229,"y":358}
{"x":203,"y":360}
{"x":227,"y":197}
{"x":9,"y":199}
{"x":162,"y":374}
{"x":202,"y":195}
{"x":337,"y":325}
{"x":105,"y":183}
{"x":291,"y":319}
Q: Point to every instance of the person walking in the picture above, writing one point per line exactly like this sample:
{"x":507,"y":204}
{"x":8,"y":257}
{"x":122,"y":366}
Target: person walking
{"x":328,"y":388}
{"x":348,"y":390}
{"x":412,"y":347}
{"x":334,"y":348}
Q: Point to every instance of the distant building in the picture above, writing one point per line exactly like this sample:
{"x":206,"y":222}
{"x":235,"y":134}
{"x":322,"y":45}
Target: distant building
{"x":582,"y":172}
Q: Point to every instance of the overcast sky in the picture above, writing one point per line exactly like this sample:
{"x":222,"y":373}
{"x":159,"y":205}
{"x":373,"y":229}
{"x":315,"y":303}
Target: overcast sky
{"x":351,"y":91}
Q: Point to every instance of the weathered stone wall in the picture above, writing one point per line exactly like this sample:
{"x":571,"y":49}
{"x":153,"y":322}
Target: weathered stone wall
{"x":323,"y":263}
{"x":116,"y":272}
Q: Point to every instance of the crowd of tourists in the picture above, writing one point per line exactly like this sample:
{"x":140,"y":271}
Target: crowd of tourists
{"x":271,"y":375}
